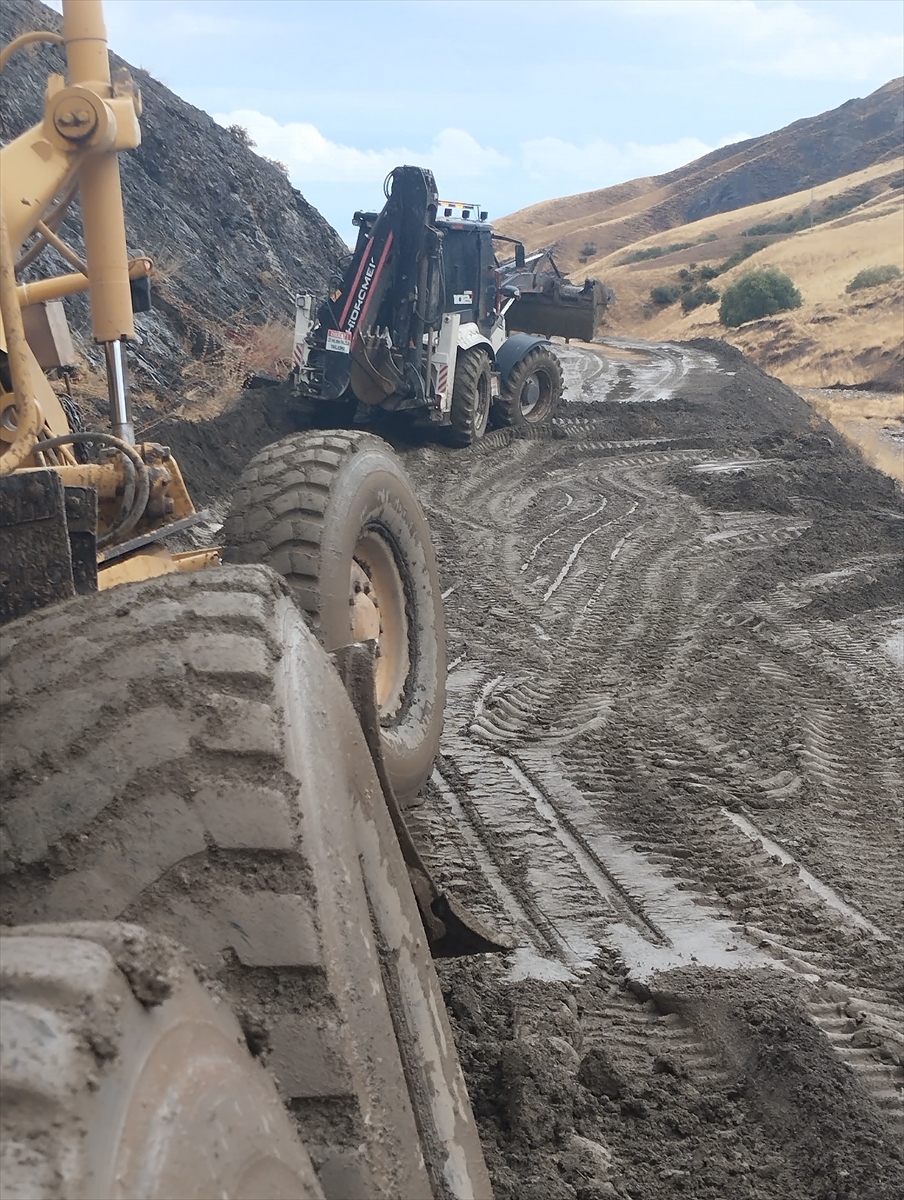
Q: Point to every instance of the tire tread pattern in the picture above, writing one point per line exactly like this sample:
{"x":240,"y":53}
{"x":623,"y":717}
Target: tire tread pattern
{"x":167,"y":804}
{"x":507,"y":408}
{"x":470,"y":365}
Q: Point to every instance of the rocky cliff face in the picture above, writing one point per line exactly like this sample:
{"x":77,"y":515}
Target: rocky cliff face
{"x":234,"y":241}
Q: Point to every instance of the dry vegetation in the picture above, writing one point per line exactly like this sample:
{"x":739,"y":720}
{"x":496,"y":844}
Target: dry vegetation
{"x":215,"y":376}
{"x":834,"y":338}
{"x":212,"y":379}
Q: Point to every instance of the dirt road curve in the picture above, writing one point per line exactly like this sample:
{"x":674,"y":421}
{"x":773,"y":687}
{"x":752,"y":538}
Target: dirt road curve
{"x":672,"y":772}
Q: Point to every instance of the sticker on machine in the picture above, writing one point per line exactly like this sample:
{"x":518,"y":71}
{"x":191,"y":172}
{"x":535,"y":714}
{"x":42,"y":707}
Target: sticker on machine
{"x":338,"y":340}
{"x":463,"y":298}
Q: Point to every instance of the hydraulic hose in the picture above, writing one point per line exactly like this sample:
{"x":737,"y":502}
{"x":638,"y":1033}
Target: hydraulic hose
{"x":142,"y":489}
{"x":53,"y":219}
{"x":26,"y":39}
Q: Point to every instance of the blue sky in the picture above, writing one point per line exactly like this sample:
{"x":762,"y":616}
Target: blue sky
{"x":508,"y":101}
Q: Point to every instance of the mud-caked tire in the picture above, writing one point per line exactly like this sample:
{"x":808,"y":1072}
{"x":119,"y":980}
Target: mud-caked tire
{"x":532,"y":394}
{"x":471,"y":396}
{"x":335,"y":515}
{"x":181,"y":755}
{"x":98,"y":1061}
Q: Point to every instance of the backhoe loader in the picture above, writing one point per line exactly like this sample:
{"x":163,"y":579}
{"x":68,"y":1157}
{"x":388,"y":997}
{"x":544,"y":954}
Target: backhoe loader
{"x":420,"y":321}
{"x":215,"y":963}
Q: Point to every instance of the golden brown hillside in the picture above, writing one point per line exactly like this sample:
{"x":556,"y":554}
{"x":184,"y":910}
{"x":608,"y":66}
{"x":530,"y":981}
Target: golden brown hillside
{"x":806,"y":154}
{"x":835,"y":337}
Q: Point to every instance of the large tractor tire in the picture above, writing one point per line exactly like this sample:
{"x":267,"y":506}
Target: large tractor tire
{"x":471,"y":396}
{"x":99,"y":1073}
{"x":335,"y":515}
{"x":532,"y":393}
{"x":181,"y":755}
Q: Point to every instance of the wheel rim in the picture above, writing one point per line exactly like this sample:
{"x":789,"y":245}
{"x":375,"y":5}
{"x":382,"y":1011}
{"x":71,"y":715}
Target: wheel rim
{"x":535,"y":396}
{"x":378,"y":611}
{"x":482,"y":404}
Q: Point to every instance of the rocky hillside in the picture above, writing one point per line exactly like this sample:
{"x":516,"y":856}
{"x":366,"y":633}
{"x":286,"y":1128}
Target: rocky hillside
{"x":233,"y":240}
{"x":805,"y":154}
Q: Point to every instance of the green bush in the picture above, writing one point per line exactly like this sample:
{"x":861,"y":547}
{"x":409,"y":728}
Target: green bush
{"x":758,"y":294}
{"x":788,"y":224}
{"x":664,"y":295}
{"x":708,"y":272}
{"x":704,"y":294}
{"x":872,"y":277}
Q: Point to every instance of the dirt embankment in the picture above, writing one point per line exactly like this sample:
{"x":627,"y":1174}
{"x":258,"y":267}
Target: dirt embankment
{"x":671,"y":773}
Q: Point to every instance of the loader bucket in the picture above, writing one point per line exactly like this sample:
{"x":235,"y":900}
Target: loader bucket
{"x":559,"y":309}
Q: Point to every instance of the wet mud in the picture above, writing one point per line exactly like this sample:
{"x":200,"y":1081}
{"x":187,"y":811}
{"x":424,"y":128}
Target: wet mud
{"x":671,"y":773}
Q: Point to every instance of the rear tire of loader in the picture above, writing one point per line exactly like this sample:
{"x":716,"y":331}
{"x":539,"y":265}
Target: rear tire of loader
{"x":533,"y":392}
{"x":471,"y":396}
{"x":180,"y":754}
{"x":335,"y":515}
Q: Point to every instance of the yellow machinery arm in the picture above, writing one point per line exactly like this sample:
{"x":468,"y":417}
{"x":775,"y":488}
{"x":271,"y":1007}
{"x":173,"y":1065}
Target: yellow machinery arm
{"x":89,"y":117}
{"x":86,"y":123}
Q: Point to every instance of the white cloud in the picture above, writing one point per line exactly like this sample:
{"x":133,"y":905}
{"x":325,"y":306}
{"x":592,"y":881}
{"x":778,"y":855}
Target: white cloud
{"x":600,"y":163}
{"x":458,"y":153}
{"x":312,"y":158}
{"x":782,"y":38}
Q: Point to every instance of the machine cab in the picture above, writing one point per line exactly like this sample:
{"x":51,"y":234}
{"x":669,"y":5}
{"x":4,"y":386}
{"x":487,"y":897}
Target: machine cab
{"x":470,"y":271}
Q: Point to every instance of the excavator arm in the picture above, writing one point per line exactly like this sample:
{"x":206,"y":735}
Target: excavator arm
{"x":368,"y":342}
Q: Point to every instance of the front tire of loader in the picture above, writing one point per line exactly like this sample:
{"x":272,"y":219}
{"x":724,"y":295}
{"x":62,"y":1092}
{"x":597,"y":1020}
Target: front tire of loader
{"x":471,"y":396}
{"x":533,"y":392}
{"x":93,"y":1075}
{"x":334,"y":514}
{"x":181,"y":755}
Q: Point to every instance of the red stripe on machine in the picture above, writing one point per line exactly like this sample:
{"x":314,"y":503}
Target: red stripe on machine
{"x":364,"y":257}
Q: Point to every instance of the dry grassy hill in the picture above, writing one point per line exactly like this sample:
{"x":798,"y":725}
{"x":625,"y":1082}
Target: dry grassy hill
{"x":835,"y":337}
{"x":845,"y":167}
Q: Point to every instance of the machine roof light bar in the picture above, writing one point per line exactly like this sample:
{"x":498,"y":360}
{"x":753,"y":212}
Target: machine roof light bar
{"x":459,"y":211}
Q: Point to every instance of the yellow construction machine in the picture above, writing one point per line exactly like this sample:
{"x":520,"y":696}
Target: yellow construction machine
{"x":136,"y":490}
{"x":215,"y":968}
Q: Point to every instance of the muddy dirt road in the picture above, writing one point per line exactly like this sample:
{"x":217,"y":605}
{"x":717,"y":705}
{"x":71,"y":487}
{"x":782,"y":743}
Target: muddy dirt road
{"x":672,"y":772}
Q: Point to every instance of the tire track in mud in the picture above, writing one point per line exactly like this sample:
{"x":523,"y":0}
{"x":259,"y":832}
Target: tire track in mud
{"x":639,"y":372}
{"x":647,"y":762}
